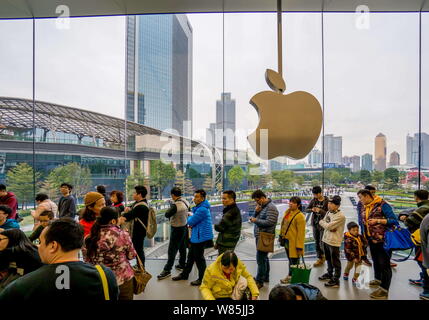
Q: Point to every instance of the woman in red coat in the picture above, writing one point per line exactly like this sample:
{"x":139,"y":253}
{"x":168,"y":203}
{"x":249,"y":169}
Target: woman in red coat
{"x":94,"y":202}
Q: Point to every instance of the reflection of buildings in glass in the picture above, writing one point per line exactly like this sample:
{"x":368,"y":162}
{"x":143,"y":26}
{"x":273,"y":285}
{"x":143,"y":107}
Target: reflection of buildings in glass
{"x":333,"y":149}
{"x":210,"y":134}
{"x":278,"y":165}
{"x":367,"y":163}
{"x":380,"y":152}
{"x":394,"y":159}
{"x":224,"y":136}
{"x":315,"y":158}
{"x":159,"y":71}
{"x":413,"y":150}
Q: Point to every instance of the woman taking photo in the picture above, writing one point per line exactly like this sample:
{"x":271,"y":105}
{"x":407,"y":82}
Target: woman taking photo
{"x":94,"y":202}
{"x":117,"y":198}
{"x":111,"y":246}
{"x":18,"y":256}
{"x":292,"y":234}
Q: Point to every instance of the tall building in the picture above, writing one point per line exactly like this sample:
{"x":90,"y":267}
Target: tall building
{"x":315,"y":158}
{"x":159,"y":71}
{"x":355,"y":163}
{"x":380,"y":152}
{"x":210,"y":134}
{"x":225,"y":122}
{"x":413,"y":150}
{"x":367,"y":162}
{"x":394,"y":159}
{"x":333,"y":149}
{"x":347,"y":161}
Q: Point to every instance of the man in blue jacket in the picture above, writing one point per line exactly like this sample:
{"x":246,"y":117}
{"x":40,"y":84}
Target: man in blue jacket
{"x":201,"y":237}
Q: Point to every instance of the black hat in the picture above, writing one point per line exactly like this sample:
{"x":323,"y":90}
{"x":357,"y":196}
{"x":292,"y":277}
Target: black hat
{"x":335,"y":200}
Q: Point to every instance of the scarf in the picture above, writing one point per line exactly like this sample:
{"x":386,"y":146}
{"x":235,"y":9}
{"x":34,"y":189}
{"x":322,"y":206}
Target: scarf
{"x":368,"y":209}
{"x":359,"y":241}
{"x":289,"y":213}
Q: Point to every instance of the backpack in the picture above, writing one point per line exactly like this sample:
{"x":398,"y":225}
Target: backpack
{"x":415,"y":236}
{"x":151,"y":221}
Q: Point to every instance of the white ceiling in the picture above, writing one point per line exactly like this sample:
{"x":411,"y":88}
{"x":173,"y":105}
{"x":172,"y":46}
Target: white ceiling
{"x":10,"y":9}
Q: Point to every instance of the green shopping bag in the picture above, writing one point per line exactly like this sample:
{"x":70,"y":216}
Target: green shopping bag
{"x":300,"y":273}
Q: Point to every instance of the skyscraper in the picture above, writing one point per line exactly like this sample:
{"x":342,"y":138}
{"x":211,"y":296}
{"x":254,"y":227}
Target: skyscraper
{"x":355,"y":163}
{"x":315,"y":158}
{"x":394,"y":159}
{"x":225,"y":122}
{"x":333,"y":149}
{"x":413,"y":150}
{"x":210,"y":134}
{"x":367,"y":162}
{"x":380,"y":152}
{"x":159,"y":71}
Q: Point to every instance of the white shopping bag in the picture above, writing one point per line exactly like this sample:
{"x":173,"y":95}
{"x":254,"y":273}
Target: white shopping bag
{"x":364,"y":277}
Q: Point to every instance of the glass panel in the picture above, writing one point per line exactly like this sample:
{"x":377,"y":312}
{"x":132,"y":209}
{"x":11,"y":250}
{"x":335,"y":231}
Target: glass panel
{"x":16,"y":113}
{"x":371,"y":104}
{"x":79,"y":118}
{"x":425,"y":103}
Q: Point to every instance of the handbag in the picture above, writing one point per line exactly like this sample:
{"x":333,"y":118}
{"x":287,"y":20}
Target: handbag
{"x":266,"y":242}
{"x":398,"y":238}
{"x":300,"y":273}
{"x":141,"y":277}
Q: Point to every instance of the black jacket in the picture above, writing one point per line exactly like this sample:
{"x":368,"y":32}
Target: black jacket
{"x":316,"y":217}
{"x":229,"y":227}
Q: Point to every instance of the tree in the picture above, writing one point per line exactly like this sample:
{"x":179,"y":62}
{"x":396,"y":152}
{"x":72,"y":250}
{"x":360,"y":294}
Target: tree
{"x":377,"y":176}
{"x":180,"y":180}
{"x":254,"y":180}
{"x":365,"y":177}
{"x":20,"y":181}
{"x":333,"y":176}
{"x":283,"y":178}
{"x":299,"y":180}
{"x":188,"y":187}
{"x":191,"y":173}
{"x":136,"y":179}
{"x":426,"y":185}
{"x":392,"y":174}
{"x":161,"y":174}
{"x":389,"y":184}
{"x":73,"y":173}
{"x":207,"y":185}
{"x":236,"y":176}
{"x":315,"y":182}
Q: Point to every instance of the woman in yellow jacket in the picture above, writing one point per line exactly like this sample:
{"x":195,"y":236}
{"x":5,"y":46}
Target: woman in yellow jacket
{"x":292,"y":234}
{"x":227,"y":278}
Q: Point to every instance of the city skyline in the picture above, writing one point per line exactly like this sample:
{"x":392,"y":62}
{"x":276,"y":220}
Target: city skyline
{"x":99,"y":43}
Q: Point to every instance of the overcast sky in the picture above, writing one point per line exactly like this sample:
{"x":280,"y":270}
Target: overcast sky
{"x":371,"y":75}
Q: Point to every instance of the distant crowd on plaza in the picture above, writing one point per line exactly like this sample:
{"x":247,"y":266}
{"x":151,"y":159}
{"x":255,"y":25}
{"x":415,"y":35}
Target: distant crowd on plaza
{"x":109,"y":235}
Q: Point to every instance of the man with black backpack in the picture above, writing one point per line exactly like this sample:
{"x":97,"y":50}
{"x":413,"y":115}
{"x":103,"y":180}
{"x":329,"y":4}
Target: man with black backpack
{"x":413,"y":221}
{"x":138,"y":214}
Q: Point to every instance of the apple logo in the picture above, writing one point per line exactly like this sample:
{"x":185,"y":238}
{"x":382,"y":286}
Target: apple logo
{"x":291,"y":122}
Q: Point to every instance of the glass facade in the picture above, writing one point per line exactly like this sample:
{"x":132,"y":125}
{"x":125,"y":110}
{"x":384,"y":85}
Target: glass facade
{"x":106,"y":86}
{"x":159,"y":70}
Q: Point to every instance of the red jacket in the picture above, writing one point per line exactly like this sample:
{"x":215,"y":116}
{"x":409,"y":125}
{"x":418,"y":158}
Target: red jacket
{"x":10,"y":200}
{"x":87,"y":225}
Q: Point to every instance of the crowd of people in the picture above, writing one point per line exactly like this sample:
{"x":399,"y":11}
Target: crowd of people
{"x":91,"y":253}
